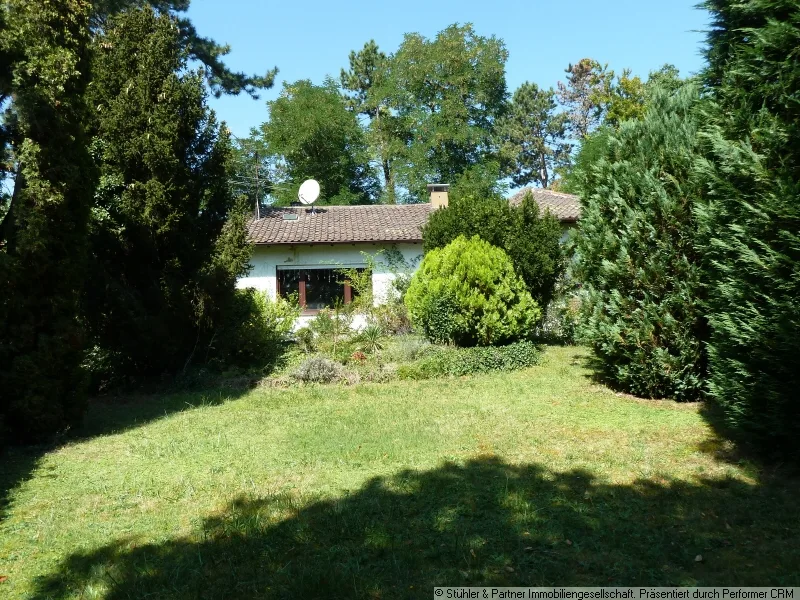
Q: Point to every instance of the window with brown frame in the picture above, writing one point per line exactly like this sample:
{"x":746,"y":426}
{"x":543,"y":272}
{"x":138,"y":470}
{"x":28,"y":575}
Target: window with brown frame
{"x":315,"y":288}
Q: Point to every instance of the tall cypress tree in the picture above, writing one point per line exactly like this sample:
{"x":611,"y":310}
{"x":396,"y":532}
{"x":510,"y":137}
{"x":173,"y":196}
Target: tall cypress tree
{"x":637,"y":255}
{"x":752,"y":221}
{"x":43,"y":243}
{"x":164,"y":259}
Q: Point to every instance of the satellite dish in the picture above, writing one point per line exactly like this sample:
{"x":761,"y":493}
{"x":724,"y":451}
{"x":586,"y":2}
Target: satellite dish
{"x":308,"y":192}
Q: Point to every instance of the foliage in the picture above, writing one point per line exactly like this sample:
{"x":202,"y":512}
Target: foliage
{"x":254,"y":331}
{"x":582,"y":95}
{"x":391,"y":317}
{"x":311,"y":131}
{"x":458,"y":362}
{"x":448,"y":93}
{"x":531,"y":240}
{"x":43,"y":230}
{"x":406,"y":348}
{"x":168,"y":240}
{"x":332,"y":330}
{"x":627,"y":97}
{"x":637,"y":255}
{"x":319,"y":369}
{"x":624,"y":99}
{"x":365,"y":86}
{"x":751,"y":224}
{"x":220,"y":78}
{"x":532,"y":136}
{"x":360,"y":280}
{"x":473,"y":286}
{"x":592,"y":150}
{"x":370,"y":339}
{"x":562,"y":316}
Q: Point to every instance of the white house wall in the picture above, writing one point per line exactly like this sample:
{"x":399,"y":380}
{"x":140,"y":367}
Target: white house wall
{"x":267,"y":259}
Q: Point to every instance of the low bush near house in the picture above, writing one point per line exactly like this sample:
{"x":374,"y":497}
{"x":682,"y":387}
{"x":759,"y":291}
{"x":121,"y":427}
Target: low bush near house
{"x":392,"y":317}
{"x":319,"y":369}
{"x":407,"y":348}
{"x":370,"y":339}
{"x":255,"y":331}
{"x":456,"y":362}
{"x":467,"y":293}
{"x":331,"y":332}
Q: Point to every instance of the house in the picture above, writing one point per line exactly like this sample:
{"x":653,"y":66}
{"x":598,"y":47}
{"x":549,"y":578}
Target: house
{"x":300,"y":250}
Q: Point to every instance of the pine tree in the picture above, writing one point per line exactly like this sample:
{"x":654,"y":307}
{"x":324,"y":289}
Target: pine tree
{"x":165,"y":262}
{"x":533,"y":135}
{"x":752,"y":222}
{"x":43,"y":239}
{"x":637,"y":255}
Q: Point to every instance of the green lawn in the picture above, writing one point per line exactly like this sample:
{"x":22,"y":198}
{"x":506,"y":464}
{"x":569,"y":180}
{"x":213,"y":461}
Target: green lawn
{"x":539,"y":477}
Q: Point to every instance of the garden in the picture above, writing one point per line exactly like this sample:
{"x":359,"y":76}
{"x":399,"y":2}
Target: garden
{"x":616,"y":405}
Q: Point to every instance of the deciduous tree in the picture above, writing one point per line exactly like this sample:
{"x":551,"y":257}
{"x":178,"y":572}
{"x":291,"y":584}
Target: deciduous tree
{"x":449,"y":91}
{"x":313,"y":133}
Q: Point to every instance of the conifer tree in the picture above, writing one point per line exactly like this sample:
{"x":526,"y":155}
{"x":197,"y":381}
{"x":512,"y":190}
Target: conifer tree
{"x":165,"y":262}
{"x":43,"y":230}
{"x":751,"y":225}
{"x":637,"y":256}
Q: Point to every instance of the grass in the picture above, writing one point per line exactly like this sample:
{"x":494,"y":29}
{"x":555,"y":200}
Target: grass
{"x":538,"y":477}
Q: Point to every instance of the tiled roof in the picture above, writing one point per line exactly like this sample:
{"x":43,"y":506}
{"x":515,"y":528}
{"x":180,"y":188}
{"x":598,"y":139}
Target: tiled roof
{"x":565,"y":207}
{"x":340,"y":224}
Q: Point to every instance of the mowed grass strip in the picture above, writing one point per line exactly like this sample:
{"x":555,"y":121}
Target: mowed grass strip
{"x":539,"y":477}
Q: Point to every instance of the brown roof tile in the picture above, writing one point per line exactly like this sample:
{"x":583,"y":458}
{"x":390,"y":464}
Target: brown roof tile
{"x":340,"y":224}
{"x":565,"y":207}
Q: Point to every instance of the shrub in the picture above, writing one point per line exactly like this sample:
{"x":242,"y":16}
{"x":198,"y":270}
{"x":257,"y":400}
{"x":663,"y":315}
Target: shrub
{"x":531,"y":240}
{"x":457,"y":362}
{"x":319,"y":369}
{"x":255,"y":331}
{"x":406,"y":348}
{"x":636,"y":253}
{"x":370,"y":339}
{"x":391,"y":317}
{"x":469,"y":294}
{"x":751,"y":224}
{"x":332,"y":331}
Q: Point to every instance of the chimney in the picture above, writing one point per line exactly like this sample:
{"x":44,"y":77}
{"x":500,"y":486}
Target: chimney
{"x":439,"y":194}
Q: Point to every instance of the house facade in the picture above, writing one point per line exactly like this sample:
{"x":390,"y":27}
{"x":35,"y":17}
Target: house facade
{"x":300,"y":251}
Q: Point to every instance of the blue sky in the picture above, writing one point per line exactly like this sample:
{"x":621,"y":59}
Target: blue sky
{"x":309,"y":40}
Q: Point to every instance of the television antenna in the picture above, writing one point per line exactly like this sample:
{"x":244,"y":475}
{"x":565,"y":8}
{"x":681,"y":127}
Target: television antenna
{"x":308,"y":192}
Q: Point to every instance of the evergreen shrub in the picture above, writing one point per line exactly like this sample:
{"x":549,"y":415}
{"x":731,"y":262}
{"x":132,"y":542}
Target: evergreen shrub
{"x":637,"y":256}
{"x":751,"y":224}
{"x":467,"y":293}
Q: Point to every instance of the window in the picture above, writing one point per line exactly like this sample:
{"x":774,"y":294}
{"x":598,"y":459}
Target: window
{"x":315,"y":288}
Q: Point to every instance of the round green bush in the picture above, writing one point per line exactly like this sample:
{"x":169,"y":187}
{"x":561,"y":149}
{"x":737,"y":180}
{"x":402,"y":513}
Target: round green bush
{"x":467,"y":293}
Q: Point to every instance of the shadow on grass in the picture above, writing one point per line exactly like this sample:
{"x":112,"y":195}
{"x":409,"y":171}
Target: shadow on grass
{"x":483,"y":523}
